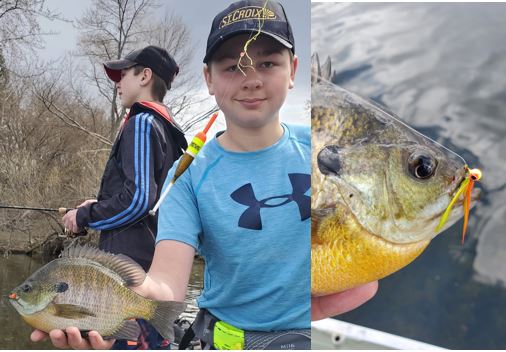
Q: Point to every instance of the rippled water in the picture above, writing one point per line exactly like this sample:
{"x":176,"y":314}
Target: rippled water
{"x":442,"y":69}
{"x":15,"y":333}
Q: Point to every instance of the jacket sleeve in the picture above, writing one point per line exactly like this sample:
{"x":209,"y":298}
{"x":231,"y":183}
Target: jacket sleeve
{"x":141,"y":157}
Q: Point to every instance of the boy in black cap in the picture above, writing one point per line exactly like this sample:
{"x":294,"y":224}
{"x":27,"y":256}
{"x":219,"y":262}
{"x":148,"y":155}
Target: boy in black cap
{"x":146,"y":147}
{"x":245,"y":200}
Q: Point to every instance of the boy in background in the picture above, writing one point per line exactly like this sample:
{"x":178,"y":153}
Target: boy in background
{"x":147,"y":145}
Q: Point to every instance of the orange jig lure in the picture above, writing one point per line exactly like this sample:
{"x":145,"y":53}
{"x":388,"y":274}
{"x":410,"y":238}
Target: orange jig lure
{"x":466,"y":187}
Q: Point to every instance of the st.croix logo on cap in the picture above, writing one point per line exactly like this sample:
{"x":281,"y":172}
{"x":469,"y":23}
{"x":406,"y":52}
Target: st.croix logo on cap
{"x":247,"y":13}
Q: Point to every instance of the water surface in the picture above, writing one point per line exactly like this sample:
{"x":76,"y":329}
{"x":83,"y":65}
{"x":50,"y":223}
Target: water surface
{"x":441,"y":68}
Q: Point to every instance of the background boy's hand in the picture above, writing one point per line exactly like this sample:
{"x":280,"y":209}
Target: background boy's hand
{"x":73,"y":339}
{"x":342,"y":302}
{"x":86,"y":202}
{"x":69,"y":220}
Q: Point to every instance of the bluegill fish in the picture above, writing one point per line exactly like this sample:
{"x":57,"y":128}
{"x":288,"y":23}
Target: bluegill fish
{"x":87,"y":288}
{"x":379,"y":188}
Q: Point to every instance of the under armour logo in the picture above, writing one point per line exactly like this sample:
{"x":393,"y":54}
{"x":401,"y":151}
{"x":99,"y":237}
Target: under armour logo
{"x":251,"y":219}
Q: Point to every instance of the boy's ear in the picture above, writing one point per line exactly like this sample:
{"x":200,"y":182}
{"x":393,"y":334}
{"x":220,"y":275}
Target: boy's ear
{"x":146,"y":75}
{"x":293,"y":69}
{"x":209,"y":80}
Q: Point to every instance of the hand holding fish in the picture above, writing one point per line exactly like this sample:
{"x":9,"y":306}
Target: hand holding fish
{"x":86,"y":292}
{"x":342,"y":302}
{"x":71,"y":338}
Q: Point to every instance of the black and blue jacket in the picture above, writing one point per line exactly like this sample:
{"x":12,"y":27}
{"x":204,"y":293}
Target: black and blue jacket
{"x":147,"y":145}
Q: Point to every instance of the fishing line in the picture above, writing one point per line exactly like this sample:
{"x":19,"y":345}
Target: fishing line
{"x":465,"y":188}
{"x":252,"y":37}
{"x":395,"y":118}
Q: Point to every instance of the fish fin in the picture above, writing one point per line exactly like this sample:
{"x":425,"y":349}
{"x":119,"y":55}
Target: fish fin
{"x":165,"y":313}
{"x":315,"y":69}
{"x":319,"y":72}
{"x":317,"y":215}
{"x":326,"y":70}
{"x":131,"y":272}
{"x":130,"y":330}
{"x":72,"y":311}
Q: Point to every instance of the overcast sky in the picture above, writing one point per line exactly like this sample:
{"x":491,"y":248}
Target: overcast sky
{"x":198,"y":15}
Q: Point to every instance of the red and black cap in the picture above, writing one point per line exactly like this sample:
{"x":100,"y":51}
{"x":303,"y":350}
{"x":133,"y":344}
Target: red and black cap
{"x":246,"y":16}
{"x":156,"y":58}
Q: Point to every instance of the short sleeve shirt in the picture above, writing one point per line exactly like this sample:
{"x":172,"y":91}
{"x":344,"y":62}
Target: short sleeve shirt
{"x":248,"y":215}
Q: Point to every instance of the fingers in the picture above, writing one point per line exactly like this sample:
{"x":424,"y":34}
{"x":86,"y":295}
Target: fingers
{"x":98,"y":343}
{"x":59,"y":339}
{"x":71,"y":338}
{"x":69,"y":220}
{"x":75,"y":340}
{"x":37,"y":335}
{"x":338,"y":303}
{"x":86,"y":202}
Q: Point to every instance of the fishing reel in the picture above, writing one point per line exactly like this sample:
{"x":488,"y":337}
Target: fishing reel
{"x":71,"y":234}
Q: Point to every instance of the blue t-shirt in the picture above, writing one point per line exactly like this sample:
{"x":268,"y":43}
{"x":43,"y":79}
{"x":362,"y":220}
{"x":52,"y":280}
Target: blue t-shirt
{"x":248,"y":214}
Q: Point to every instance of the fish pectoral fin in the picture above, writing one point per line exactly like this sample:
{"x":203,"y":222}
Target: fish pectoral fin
{"x":71,"y":311}
{"x":130,"y":330}
{"x":319,"y":215}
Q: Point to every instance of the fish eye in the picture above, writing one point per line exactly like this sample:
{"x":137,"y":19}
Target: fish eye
{"x":61,"y":287}
{"x":422,"y":166}
{"x":26,"y":288}
{"x":328,"y":160}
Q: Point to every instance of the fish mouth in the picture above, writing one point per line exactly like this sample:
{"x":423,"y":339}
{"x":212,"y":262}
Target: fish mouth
{"x":14,"y":301}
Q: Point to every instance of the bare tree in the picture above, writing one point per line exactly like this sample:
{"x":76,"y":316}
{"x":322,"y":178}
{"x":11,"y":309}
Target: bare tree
{"x":113,"y":28}
{"x":110,"y":29}
{"x":172,"y":34}
{"x":19,"y":25}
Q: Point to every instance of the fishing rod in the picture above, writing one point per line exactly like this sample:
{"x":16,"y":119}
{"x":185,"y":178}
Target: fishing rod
{"x":61,"y":211}
{"x":191,"y":152}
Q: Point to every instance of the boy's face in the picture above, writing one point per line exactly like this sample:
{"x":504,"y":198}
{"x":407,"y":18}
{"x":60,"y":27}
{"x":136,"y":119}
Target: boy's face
{"x":129,"y":87}
{"x":252,"y":99}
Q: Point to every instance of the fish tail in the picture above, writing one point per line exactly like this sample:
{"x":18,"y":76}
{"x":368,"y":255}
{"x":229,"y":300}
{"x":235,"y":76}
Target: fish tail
{"x":164,"y":315}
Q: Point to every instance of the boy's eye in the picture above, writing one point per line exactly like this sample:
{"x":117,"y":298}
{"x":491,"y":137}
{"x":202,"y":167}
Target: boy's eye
{"x":232,"y":68}
{"x":267,"y":64}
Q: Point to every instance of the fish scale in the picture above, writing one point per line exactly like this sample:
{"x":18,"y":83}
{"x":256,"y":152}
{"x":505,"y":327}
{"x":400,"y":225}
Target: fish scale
{"x":373,"y":208}
{"x":95,"y":296}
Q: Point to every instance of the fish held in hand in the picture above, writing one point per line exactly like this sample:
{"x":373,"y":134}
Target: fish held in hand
{"x":87,"y":288}
{"x":379,"y":188}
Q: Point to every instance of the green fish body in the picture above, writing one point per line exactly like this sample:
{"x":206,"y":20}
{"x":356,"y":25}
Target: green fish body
{"x":88,"y":288}
{"x":379,"y":188}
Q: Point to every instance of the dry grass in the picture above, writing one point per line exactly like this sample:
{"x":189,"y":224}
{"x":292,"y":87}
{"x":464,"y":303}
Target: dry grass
{"x":43,"y":163}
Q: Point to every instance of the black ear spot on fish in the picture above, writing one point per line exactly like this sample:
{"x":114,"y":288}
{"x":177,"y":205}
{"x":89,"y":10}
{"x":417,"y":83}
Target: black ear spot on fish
{"x":26,"y":288}
{"x":61,"y":287}
{"x":328,"y":160}
{"x":422,"y":166}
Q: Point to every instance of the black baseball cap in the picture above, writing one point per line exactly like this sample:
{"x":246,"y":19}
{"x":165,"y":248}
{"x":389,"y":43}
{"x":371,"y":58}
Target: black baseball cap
{"x":245,"y":16}
{"x":156,"y":58}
